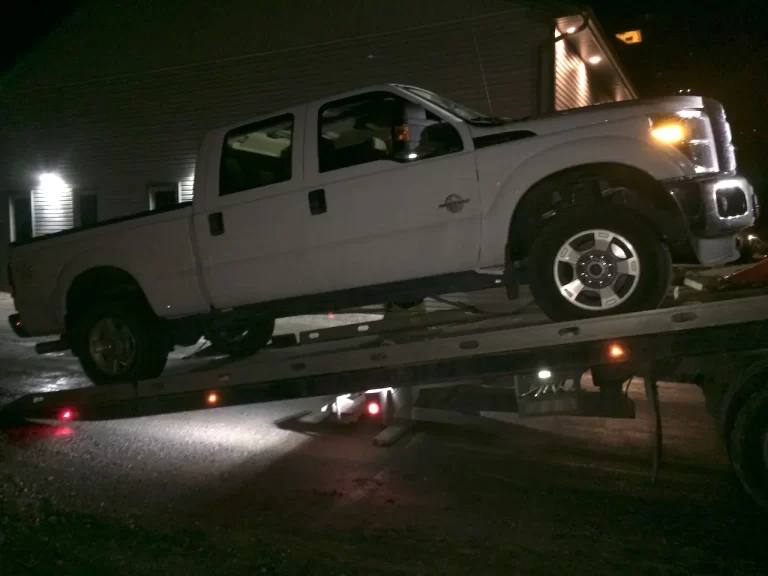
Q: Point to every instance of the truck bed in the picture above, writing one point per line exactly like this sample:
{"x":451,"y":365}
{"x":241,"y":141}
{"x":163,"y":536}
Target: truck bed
{"x":101,"y":224}
{"x":157,"y":249}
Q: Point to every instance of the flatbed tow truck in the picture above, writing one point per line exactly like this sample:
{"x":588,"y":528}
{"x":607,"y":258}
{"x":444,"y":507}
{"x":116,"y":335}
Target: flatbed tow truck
{"x":713,"y":332}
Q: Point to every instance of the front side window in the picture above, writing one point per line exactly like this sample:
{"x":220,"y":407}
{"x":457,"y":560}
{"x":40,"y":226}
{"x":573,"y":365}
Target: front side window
{"x":256,"y":155}
{"x":380,"y":126}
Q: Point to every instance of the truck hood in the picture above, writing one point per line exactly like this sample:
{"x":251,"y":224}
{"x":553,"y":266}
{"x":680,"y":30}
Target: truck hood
{"x":581,"y":117}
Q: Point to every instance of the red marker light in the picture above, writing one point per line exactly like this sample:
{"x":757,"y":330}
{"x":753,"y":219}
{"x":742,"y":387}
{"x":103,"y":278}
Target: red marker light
{"x":616,"y":351}
{"x":373,"y":408}
{"x":66,"y":415}
{"x":212,"y":398}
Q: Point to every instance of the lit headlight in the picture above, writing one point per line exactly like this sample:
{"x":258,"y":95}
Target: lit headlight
{"x":691,"y":133}
{"x":671,"y":133}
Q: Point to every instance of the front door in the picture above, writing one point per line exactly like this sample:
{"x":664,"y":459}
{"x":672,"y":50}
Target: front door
{"x":396,"y":194}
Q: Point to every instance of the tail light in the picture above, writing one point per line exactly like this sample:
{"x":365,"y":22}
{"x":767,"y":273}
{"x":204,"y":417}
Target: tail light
{"x":374,"y":408}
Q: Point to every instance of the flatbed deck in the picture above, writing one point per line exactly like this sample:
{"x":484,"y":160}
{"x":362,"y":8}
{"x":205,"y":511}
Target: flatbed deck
{"x":534,"y":367}
{"x":435,"y":348}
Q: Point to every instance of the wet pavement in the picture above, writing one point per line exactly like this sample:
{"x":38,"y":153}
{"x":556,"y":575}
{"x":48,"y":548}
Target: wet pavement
{"x":241,"y":491}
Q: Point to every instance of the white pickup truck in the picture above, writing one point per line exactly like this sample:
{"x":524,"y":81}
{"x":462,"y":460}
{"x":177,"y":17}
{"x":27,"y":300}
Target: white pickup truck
{"x":392,"y":193}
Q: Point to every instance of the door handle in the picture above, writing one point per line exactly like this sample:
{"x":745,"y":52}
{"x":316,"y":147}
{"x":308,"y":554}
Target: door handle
{"x":216,"y":223}
{"x":317,"y":203}
{"x":454,"y":203}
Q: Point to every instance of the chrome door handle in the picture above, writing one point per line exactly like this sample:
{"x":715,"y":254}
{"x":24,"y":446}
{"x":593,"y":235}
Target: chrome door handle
{"x":454,"y":203}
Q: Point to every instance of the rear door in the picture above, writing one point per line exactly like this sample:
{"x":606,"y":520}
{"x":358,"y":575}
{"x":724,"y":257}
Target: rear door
{"x":395,"y":193}
{"x":250,"y":224}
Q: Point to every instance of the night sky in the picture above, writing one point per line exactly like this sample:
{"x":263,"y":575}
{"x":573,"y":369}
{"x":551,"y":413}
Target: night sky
{"x":715,"y":48}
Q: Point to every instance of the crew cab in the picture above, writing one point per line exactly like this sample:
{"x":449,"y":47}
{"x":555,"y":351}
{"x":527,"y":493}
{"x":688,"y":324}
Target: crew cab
{"x":392,"y":193}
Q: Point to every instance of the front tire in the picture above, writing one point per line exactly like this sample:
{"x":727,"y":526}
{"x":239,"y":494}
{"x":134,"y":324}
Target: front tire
{"x":120,"y":341}
{"x":598,"y":261}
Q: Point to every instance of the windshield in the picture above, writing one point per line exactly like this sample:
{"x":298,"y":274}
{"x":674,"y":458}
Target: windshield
{"x":466,"y":114}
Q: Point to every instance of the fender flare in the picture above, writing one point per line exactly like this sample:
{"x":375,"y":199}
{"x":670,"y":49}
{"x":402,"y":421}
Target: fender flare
{"x":633,"y":154}
{"x":76,"y":268}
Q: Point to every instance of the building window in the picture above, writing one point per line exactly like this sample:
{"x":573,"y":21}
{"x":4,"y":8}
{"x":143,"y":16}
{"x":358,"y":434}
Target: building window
{"x":163,"y":196}
{"x":53,"y":205}
{"x":20,"y":208}
{"x":381,"y":126}
{"x":88,"y":209}
{"x":257,"y":155}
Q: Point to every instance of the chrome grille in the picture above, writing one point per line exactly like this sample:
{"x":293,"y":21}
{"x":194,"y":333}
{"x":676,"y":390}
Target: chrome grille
{"x":726,"y":156}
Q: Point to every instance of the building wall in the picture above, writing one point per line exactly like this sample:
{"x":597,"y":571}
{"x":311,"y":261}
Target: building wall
{"x":5,"y":237}
{"x":119,"y":97}
{"x":575,"y":85}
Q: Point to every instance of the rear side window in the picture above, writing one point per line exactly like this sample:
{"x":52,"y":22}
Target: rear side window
{"x":257,"y":155}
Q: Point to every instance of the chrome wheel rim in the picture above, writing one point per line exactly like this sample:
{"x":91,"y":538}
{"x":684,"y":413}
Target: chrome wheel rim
{"x":112,"y":346}
{"x":596,"y":270}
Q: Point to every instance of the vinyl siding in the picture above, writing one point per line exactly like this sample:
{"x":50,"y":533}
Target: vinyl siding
{"x":572,"y":88}
{"x":575,"y":83}
{"x":122,"y":94}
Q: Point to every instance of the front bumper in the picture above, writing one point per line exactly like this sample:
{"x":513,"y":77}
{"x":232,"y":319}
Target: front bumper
{"x":18,"y":328}
{"x":714,"y":209}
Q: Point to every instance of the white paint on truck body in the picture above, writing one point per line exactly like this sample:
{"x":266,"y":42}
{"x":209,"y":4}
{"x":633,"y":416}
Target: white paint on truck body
{"x":383,"y":222}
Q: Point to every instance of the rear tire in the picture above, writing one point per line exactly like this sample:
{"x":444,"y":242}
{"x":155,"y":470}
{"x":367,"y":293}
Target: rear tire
{"x":241,"y":338}
{"x":120,"y":341}
{"x":598,"y":261}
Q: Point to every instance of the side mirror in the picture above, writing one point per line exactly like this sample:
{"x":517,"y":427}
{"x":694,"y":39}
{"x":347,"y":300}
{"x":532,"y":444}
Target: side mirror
{"x":402,"y":133}
{"x":418,"y":140}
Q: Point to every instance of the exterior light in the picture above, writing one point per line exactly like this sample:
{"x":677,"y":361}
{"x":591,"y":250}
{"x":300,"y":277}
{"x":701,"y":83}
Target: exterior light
{"x":669,"y":133}
{"x":689,"y":113}
{"x":616,"y":352}
{"x":544,"y":374}
{"x":373,"y":408}
{"x":570,"y":30}
{"x":595,"y":59}
{"x":52,"y":184}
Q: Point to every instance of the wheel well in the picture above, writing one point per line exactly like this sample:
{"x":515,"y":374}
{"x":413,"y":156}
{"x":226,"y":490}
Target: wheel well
{"x":586,"y":184}
{"x":99,"y":283}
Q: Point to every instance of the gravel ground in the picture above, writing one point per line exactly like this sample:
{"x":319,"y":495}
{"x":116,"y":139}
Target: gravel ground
{"x":242,"y":491}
